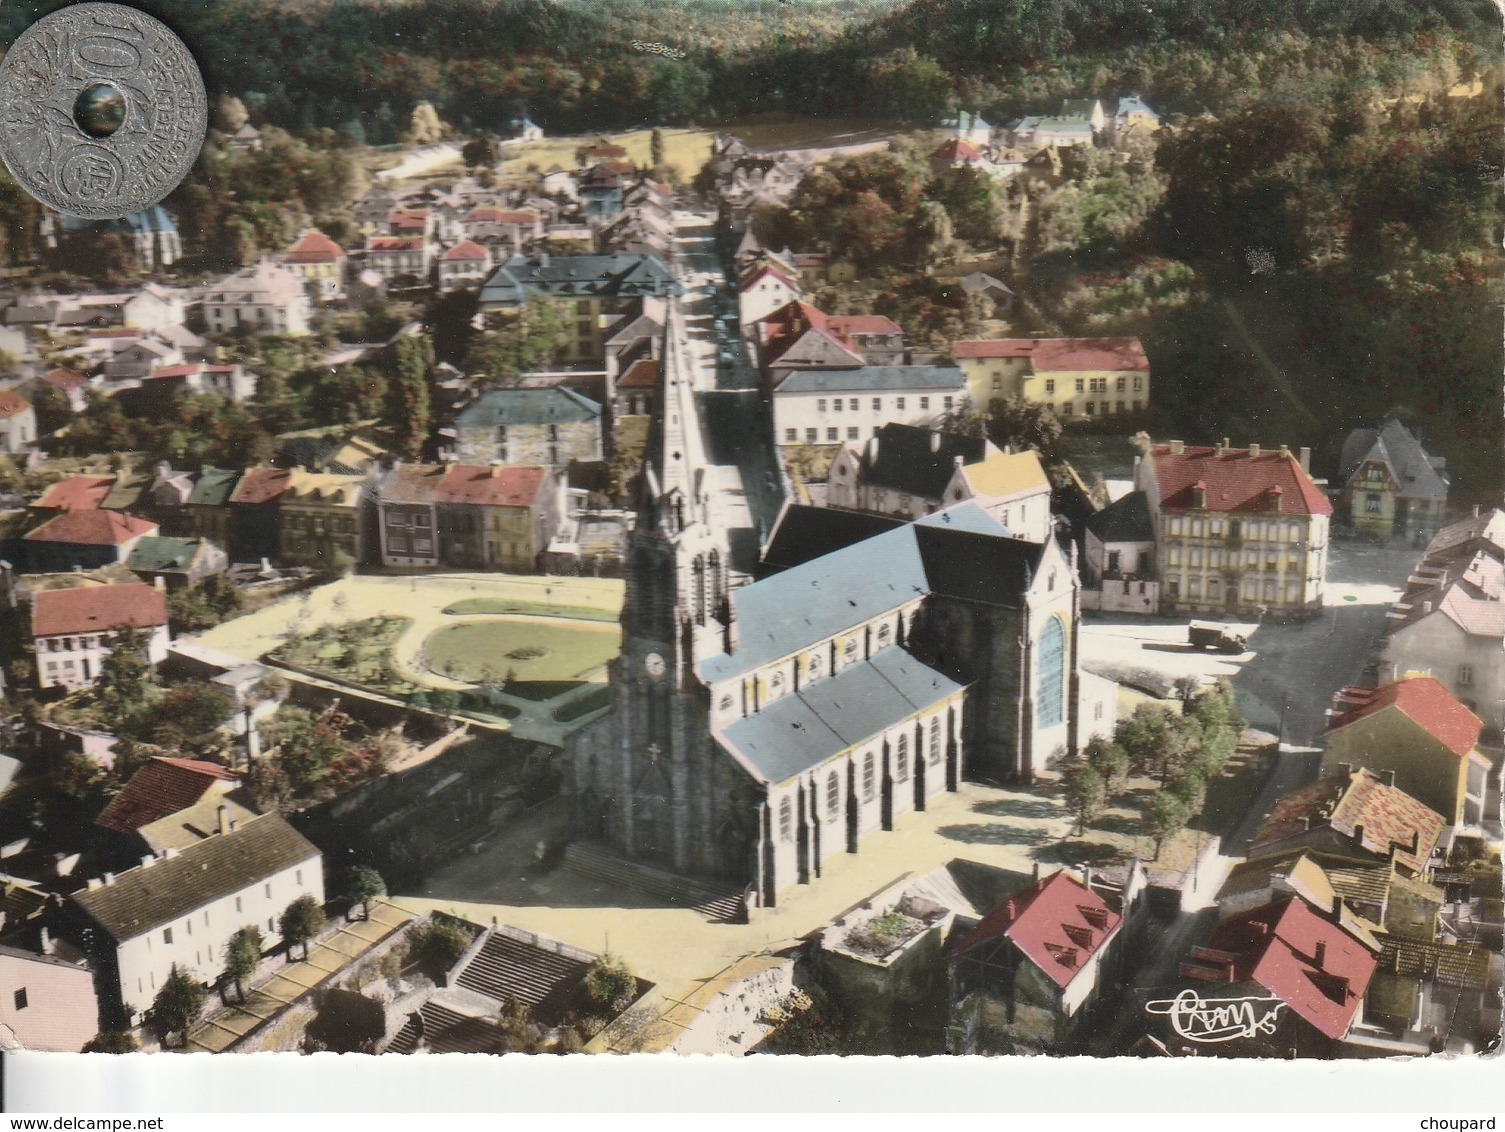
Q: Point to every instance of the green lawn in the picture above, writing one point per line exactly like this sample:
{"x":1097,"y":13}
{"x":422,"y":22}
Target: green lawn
{"x":473,"y":605}
{"x":545,"y":658}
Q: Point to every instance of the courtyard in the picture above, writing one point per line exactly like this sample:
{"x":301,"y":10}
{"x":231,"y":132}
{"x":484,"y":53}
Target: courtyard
{"x":532,"y":650}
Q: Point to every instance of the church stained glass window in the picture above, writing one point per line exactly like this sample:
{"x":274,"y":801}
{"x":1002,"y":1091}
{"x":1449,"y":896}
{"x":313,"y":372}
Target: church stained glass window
{"x":833,"y":795}
{"x":786,"y":820}
{"x":1052,"y":670}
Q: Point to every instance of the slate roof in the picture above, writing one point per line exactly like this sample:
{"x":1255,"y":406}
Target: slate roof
{"x":1424,"y":700}
{"x":145,"y":898}
{"x":159,"y":554}
{"x":1276,"y":946}
{"x":982,"y":281}
{"x":479,"y":484}
{"x":875,"y":379}
{"x":554,"y":405}
{"x":803,"y":533}
{"x":920,"y":461}
{"x":805,"y":728}
{"x":12,"y":404}
{"x":618,"y":276}
{"x":76,"y":493}
{"x":1454,"y":964}
{"x":97,"y":609}
{"x":91,"y":528}
{"x":1126,"y":519}
{"x":1058,"y":923}
{"x":160,"y":788}
{"x":1394,"y":445}
{"x":822,"y":597}
{"x":214,"y":487}
{"x":1235,"y":482}
{"x":1337,"y":807}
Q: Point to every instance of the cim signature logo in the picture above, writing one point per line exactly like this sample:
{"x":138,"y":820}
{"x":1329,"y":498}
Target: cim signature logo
{"x":1209,"y":1020}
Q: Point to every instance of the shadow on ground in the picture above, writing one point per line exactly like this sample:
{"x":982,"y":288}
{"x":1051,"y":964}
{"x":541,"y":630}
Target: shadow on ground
{"x":1081,"y":853}
{"x":996,"y":834}
{"x":1018,"y":808}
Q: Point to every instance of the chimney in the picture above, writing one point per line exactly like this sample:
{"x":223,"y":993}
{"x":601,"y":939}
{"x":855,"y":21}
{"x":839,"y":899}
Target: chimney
{"x":109,"y":879}
{"x":1319,"y":952}
{"x":1426,"y":607}
{"x":1217,"y":450}
{"x":872,"y":450}
{"x":1037,"y":872}
{"x":1087,"y":877}
{"x":1254,"y":451}
{"x":1226,"y":445}
{"x":1358,"y":834}
{"x":1177,"y":447}
{"x":149,"y":860}
{"x":1476,"y":510}
{"x":224,"y":819}
{"x":1387,"y":777}
{"x":160,"y":582}
{"x":1284,"y":451}
{"x":45,"y":939}
{"x":935,"y":442}
{"x":1343,"y":770}
{"x":1337,"y":907}
{"x":1305,"y":459}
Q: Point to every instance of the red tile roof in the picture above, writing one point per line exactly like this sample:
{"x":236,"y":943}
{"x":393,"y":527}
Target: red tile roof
{"x":1236,"y":482}
{"x":849,"y":324}
{"x":606,"y":151}
{"x":1360,"y":802}
{"x":956,"y":150}
{"x":315,"y":247}
{"x":76,"y":493}
{"x":1057,"y":355}
{"x":1308,"y":962}
{"x":1058,"y":923}
{"x":12,"y":404}
{"x":763,"y":269}
{"x":63,"y":378}
{"x":465,"y":250}
{"x":394,"y":243}
{"x":642,"y":374}
{"x":262,"y":485}
{"x":409,"y":218}
{"x":97,"y":609}
{"x":480,"y":484}
{"x":1422,"y":698}
{"x":92,"y":528}
{"x":162,"y":787}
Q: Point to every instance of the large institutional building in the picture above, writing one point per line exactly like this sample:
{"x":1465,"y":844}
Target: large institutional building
{"x":760,"y":729}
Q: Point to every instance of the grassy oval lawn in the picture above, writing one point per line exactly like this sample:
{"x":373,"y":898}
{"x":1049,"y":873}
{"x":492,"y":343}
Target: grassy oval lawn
{"x":544,"y":657}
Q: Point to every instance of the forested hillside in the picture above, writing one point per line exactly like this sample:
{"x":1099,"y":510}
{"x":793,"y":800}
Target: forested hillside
{"x":360,"y":65}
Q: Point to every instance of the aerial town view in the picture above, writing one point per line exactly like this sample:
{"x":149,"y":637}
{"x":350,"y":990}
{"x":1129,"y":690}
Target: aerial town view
{"x":767,"y":527}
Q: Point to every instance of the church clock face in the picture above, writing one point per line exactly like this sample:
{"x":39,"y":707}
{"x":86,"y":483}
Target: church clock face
{"x":653,"y":664}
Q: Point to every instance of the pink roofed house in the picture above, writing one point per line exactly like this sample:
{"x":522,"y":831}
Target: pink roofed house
{"x":464,"y":265}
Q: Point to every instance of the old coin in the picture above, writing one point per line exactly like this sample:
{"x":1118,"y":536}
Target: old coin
{"x":102,"y":110}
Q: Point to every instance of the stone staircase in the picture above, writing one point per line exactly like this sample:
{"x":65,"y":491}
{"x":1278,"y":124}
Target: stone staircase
{"x":633,"y":878}
{"x":510,"y":967}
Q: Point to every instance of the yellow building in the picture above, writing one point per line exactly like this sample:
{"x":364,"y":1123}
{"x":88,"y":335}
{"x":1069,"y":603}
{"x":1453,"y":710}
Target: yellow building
{"x":317,"y":259}
{"x":323,"y":519}
{"x":1074,"y":377}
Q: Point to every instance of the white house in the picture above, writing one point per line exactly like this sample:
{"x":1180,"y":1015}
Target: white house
{"x":74,"y":629}
{"x":392,"y":257}
{"x":764,"y":290}
{"x":232,"y":382}
{"x":154,"y":307}
{"x":830,"y":406}
{"x":18,"y":422}
{"x":465,"y":265}
{"x":266,"y":299}
{"x":47,"y":1004}
{"x":179,"y":910}
{"x":1010,"y":486}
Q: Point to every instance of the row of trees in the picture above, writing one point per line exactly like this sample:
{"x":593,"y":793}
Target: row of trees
{"x":1182,"y":751}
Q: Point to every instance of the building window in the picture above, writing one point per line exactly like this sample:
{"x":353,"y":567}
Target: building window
{"x":1465,"y":676}
{"x":1066,"y":408}
{"x":1081,"y":386}
{"x":833,"y":433}
{"x":924,"y":404}
{"x":1091,"y":409}
{"x":1173,"y":588}
{"x":166,"y":935}
{"x":852,"y":432}
{"x":899,"y":403}
{"x":836,"y":404}
{"x":833,"y":796}
{"x":1118,"y":385}
{"x":901,"y":759}
{"x":791,"y":435}
{"x":1120,"y":407}
{"x":786,"y":820}
{"x":1371,"y":504}
{"x":1139,"y":385}
{"x":237,"y":903}
{"x":849,"y":650}
{"x":820,"y":405}
{"x":885,"y":632}
{"x":852,"y":404}
{"x":868,"y":778}
{"x":935,"y":738}
{"x":1113,"y":561}
{"x":814,"y":665}
{"x":1050,"y":385}
{"x":811,"y":435}
{"x":1052,"y":679}
{"x":20,"y":998}
{"x":1214,"y":589}
{"x":267,"y":888}
{"x":877,"y":404}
